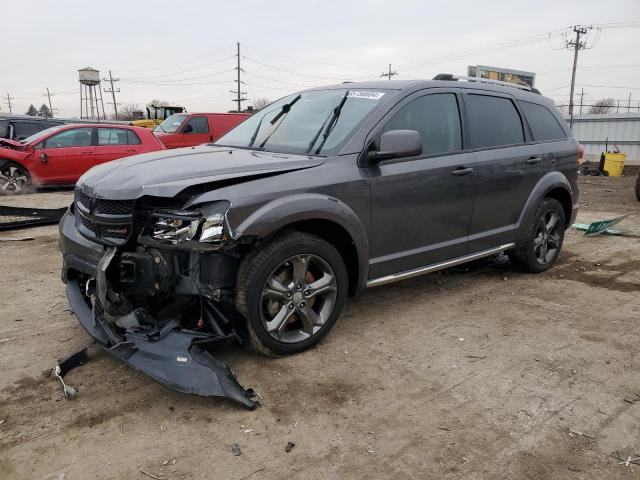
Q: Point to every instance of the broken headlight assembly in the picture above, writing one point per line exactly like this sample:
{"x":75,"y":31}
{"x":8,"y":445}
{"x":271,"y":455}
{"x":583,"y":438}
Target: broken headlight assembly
{"x":175,"y":227}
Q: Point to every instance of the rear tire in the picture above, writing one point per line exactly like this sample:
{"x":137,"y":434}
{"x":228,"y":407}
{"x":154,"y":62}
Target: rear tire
{"x":14,"y":179}
{"x":291,"y":292}
{"x":542,"y":242}
{"x":638,"y":187}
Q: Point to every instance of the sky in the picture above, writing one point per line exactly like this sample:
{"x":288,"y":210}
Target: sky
{"x":184,"y":52}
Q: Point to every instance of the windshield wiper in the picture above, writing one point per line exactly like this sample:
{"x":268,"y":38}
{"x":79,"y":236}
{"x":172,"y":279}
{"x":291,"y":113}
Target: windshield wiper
{"x":284,"y":109}
{"x":330,"y":123}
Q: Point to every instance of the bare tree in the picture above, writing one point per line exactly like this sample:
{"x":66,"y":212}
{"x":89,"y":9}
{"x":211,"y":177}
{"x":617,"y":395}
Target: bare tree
{"x":604,"y":105}
{"x":260,"y":103}
{"x":130,"y":111}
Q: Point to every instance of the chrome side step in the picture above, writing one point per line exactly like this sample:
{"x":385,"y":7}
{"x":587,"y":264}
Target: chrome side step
{"x":396,"y":277}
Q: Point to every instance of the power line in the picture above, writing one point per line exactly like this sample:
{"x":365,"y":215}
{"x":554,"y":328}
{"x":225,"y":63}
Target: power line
{"x":193,"y":59}
{"x":199,"y":67}
{"x":289,"y":71}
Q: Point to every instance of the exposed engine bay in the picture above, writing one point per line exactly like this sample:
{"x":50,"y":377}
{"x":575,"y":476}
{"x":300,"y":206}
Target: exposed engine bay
{"x":157,"y":298}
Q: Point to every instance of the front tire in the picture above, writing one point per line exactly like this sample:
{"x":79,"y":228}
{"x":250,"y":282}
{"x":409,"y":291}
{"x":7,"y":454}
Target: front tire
{"x":14,"y":179}
{"x":543,"y":238}
{"x":638,"y":187}
{"x":291,"y":291}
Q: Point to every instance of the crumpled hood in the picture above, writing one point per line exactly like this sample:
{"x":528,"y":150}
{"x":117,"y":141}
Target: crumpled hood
{"x":166,"y":173}
{"x":5,"y":142}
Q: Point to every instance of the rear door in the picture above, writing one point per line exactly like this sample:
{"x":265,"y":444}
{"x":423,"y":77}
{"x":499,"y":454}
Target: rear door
{"x":64,"y":156}
{"x":508,"y":165}
{"x":196,"y":131}
{"x":421,"y":206}
{"x":115,"y":143}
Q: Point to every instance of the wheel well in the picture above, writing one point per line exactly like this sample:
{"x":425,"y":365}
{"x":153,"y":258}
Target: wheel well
{"x":564,"y":198}
{"x":339,"y":238}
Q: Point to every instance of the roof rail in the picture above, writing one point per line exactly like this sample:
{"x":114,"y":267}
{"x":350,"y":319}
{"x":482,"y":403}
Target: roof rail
{"x":448,"y":76}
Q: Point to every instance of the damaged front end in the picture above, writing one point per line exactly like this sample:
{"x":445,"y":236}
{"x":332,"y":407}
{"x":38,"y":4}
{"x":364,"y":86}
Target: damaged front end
{"x":157,"y":292}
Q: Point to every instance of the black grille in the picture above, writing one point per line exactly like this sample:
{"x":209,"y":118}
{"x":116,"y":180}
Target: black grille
{"x":84,"y":199}
{"x":106,"y":221}
{"x":86,"y":223}
{"x":114,"y":207}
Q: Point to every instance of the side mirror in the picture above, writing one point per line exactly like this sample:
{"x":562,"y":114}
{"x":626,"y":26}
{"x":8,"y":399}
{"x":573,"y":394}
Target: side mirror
{"x":396,"y":144}
{"x":188,"y":128}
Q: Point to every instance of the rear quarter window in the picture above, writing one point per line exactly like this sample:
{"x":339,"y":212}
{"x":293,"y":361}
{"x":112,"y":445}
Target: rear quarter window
{"x":543,"y":123}
{"x":493,"y":121}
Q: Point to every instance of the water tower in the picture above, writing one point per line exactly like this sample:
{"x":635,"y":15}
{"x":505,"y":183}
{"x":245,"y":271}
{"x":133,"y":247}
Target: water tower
{"x":90,"y":94}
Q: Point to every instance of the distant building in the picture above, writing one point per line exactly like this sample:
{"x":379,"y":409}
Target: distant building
{"x":608,"y":131}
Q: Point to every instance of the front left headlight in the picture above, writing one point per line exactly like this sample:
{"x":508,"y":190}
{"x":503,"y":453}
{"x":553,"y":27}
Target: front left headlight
{"x":174,"y":227}
{"x":205,"y":224}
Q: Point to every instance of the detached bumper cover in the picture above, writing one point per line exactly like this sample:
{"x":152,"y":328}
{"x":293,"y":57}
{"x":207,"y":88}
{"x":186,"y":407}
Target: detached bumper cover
{"x":170,"y":357}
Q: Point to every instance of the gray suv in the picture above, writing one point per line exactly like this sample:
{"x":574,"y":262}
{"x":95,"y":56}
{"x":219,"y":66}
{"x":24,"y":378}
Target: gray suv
{"x":262,"y":236}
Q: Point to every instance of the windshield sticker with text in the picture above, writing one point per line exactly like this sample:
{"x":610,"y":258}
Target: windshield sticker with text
{"x":366,"y":94}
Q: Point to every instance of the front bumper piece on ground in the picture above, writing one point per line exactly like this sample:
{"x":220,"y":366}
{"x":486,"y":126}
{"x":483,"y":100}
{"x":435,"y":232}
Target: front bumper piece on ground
{"x":169,"y":356}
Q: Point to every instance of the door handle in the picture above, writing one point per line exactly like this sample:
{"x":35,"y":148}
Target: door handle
{"x":533,"y":160}
{"x":43,"y":158}
{"x":131,"y":150}
{"x":87,"y":151}
{"x":458,"y":172}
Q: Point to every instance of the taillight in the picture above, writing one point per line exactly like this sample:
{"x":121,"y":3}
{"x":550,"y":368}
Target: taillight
{"x":580,"y":154}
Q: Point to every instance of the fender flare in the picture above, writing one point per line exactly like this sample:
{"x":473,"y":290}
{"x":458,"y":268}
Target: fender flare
{"x":550,"y":181}
{"x":284,"y":211}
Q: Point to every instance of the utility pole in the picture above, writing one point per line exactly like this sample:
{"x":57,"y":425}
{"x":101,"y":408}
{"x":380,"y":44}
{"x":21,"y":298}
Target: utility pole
{"x":389,"y":74}
{"x":49,"y":98}
{"x":576,"y":45}
{"x":629,"y":106}
{"x":239,"y":94}
{"x":8,"y":102}
{"x":581,"y":97}
{"x":112,"y":91}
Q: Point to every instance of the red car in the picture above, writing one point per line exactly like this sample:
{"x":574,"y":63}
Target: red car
{"x":60,"y":155}
{"x":191,"y":129}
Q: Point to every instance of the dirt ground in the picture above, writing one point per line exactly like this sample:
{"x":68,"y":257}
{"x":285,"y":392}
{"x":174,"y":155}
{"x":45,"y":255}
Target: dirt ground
{"x":475,"y":372}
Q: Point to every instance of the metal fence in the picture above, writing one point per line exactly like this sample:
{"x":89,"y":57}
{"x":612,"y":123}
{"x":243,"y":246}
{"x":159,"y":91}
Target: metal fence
{"x":621,"y":130}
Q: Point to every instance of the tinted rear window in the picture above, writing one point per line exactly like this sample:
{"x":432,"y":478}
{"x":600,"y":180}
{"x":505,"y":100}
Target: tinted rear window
{"x":4,"y":128}
{"x":542,"y":122}
{"x":493,"y":121}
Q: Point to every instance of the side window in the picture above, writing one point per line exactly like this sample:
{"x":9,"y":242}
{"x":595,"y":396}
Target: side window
{"x":114,"y":136}
{"x":493,"y":121}
{"x":132,"y":138}
{"x":76,"y":137}
{"x":199,"y":125}
{"x":543,"y":123}
{"x":436,"y":118}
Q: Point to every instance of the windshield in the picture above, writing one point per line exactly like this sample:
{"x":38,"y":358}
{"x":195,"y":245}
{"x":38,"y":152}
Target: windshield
{"x":171,"y":124}
{"x":40,"y":135}
{"x":292,"y":124}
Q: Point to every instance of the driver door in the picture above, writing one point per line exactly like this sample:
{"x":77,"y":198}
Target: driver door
{"x":421,"y":206}
{"x":196,"y":131}
{"x":64,"y":156}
